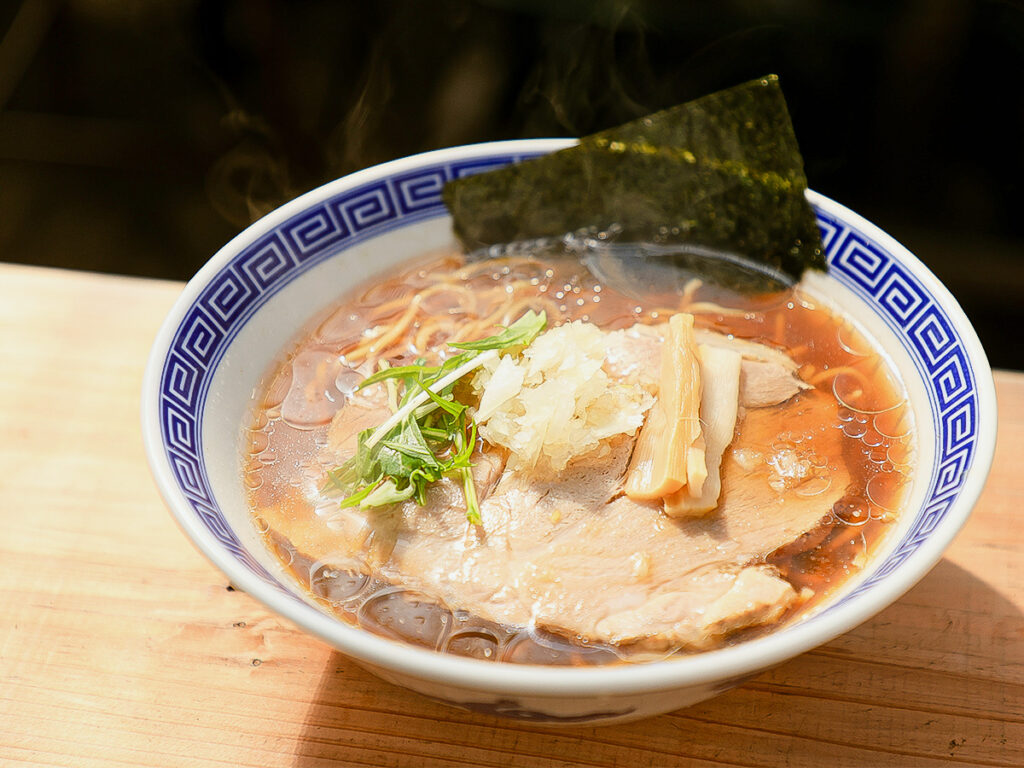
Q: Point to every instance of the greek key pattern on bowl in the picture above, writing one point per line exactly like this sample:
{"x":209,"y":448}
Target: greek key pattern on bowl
{"x":277,"y":257}
{"x":928,"y":335}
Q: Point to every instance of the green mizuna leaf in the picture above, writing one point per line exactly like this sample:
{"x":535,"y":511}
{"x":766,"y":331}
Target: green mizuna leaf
{"x":400,"y":372}
{"x":386,"y":493}
{"x":522,"y":332}
{"x":429,"y":433}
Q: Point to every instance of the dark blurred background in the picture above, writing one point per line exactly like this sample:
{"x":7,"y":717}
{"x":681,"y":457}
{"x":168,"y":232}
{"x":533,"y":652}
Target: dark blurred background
{"x":137,"y":136}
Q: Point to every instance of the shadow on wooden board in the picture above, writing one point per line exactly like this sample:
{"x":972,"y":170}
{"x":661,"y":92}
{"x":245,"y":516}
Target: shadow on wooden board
{"x":926,"y":681}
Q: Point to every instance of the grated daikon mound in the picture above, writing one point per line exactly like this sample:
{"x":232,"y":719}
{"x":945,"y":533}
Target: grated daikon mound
{"x":554,"y":401}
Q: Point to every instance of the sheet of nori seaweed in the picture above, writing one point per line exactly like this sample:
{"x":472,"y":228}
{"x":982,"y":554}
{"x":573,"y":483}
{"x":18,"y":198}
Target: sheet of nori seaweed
{"x":723,"y":171}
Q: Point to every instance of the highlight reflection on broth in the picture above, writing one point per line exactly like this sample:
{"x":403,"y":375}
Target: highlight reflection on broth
{"x":571,"y":563}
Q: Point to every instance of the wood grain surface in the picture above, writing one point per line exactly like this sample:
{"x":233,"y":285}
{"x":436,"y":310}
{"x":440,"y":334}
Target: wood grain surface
{"x":120,"y":645}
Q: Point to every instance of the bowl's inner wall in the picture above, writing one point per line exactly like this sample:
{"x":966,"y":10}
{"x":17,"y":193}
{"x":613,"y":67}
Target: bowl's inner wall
{"x":289,"y":269}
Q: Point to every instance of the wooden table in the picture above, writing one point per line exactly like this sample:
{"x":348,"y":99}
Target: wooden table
{"x":121,"y":645}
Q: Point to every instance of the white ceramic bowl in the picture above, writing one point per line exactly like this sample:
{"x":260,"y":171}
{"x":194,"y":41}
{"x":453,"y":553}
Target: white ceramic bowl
{"x":235,"y":316}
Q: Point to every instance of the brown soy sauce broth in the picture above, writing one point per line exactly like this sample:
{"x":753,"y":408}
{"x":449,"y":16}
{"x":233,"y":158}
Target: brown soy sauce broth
{"x":440,"y":294}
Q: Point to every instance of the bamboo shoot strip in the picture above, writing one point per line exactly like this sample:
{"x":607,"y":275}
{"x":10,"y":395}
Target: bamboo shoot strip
{"x":719,"y":407}
{"x":669,"y":453}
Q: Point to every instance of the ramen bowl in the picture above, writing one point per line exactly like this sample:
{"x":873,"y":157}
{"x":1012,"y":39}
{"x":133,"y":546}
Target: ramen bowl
{"x":237,"y":314}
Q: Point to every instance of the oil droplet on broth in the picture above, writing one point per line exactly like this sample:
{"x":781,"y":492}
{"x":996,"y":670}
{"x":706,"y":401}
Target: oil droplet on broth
{"x":284,"y":553}
{"x":885,"y":490}
{"x":336,"y":585}
{"x":313,"y":397}
{"x":900,"y":454}
{"x":276,"y":391}
{"x":814,"y":486}
{"x":386,"y":298}
{"x":451,"y":300}
{"x":342,"y":328}
{"x":853,"y":389}
{"x":871,"y":439}
{"x":895,"y":422}
{"x":878,"y":456}
{"x":475,"y":644}
{"x":258,"y":442}
{"x":855,"y":429}
{"x":539,"y":647}
{"x":852,"y":511}
{"x":404,"y":615}
{"x":347,"y":381}
{"x":852,"y":342}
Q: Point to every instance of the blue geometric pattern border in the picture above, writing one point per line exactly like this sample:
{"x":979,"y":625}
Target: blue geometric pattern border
{"x":939,"y":355}
{"x":278,"y":257}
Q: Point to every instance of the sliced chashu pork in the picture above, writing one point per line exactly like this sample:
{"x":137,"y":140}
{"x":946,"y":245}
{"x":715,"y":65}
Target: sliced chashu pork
{"x":575,"y":556}
{"x":623,"y":572}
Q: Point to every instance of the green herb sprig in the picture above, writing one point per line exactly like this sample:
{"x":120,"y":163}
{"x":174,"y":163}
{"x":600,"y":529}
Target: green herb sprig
{"x":429,"y":434}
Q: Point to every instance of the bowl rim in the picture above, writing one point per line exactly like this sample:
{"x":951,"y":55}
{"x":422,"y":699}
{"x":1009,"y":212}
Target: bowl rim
{"x":709,"y":667}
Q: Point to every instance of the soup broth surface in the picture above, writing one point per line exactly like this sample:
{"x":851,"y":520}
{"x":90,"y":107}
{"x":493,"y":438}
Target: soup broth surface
{"x":441,"y":298}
